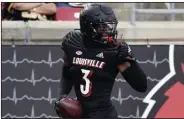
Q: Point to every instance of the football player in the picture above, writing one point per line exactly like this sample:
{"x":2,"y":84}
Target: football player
{"x":93,"y":58}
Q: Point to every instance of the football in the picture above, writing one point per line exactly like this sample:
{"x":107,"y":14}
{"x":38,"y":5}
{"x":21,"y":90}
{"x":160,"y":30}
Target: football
{"x":70,"y":108}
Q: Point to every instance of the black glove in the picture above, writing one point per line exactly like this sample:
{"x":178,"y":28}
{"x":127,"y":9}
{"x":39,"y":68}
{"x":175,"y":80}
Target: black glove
{"x":124,"y":52}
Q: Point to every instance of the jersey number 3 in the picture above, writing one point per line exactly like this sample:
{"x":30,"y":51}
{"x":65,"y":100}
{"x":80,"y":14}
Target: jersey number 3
{"x":86,"y":89}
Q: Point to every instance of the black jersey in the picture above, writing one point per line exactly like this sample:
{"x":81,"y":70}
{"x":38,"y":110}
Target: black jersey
{"x":93,"y":70}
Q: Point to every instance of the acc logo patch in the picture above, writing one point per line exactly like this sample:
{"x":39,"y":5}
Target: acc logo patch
{"x":79,"y":52}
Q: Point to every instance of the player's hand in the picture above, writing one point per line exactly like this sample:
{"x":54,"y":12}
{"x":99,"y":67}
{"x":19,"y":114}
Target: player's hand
{"x":126,"y":63}
{"x":127,"y":59}
{"x":56,"y":105}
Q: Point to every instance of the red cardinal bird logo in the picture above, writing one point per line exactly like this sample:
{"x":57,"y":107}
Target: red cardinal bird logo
{"x":173,"y":107}
{"x":172,"y":72}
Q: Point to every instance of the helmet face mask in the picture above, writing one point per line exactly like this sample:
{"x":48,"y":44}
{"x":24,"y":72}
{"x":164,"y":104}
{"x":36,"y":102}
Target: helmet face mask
{"x":104,"y":32}
{"x":99,"y":23}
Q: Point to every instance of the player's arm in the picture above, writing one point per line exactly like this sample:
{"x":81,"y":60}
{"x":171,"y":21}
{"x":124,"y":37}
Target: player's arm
{"x":25,"y":6}
{"x":131,"y":70}
{"x":66,"y":81}
{"x":65,"y":86}
{"x":46,"y":9}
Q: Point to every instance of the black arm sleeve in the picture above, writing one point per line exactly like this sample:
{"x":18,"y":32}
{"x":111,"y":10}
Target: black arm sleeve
{"x":134,"y":75}
{"x":66,"y":81}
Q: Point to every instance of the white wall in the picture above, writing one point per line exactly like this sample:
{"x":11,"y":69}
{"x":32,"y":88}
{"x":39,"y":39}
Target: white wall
{"x":52,"y":30}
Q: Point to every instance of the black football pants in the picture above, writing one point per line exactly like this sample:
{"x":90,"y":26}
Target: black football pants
{"x":110,"y":113}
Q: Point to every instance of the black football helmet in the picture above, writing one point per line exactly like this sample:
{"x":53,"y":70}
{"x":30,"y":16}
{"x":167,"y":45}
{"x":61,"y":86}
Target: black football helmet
{"x":99,"y":23}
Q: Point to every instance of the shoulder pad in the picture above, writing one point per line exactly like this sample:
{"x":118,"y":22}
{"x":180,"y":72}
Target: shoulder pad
{"x":73,"y":39}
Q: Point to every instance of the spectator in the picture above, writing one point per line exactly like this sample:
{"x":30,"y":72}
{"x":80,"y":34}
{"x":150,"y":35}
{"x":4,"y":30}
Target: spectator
{"x":5,"y":15}
{"x":30,"y":11}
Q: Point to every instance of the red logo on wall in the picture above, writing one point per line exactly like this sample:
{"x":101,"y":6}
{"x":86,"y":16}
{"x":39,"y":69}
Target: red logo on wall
{"x":174,"y":105}
{"x":67,"y":14}
{"x":173,"y":86}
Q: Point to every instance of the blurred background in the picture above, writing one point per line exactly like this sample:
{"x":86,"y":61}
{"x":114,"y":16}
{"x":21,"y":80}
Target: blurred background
{"x":32,"y":59}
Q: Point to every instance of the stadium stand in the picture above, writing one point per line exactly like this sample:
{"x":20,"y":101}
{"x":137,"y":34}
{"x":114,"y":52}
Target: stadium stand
{"x":137,"y":21}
